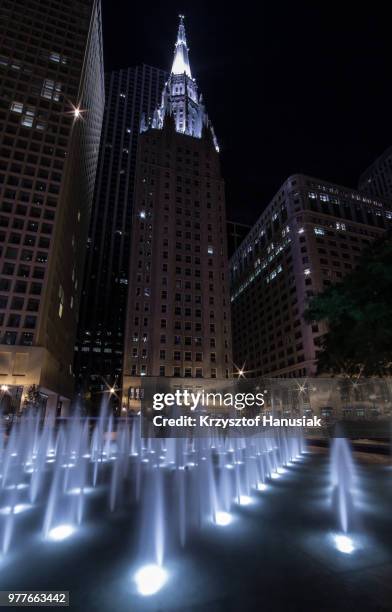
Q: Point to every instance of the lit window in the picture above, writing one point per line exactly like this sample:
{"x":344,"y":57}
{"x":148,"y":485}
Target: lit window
{"x":61,"y":301}
{"x":27,"y":121}
{"x":57,"y":58}
{"x":319,"y":231}
{"x":28,"y":117}
{"x":210,"y":250}
{"x":307,"y":271}
{"x":51,"y":90}
{"x":17,"y":107}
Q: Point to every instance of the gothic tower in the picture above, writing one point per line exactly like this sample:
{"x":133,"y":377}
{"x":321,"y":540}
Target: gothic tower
{"x":178,"y":314}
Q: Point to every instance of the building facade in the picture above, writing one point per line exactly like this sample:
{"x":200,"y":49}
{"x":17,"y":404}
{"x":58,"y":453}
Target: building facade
{"x":100,"y":340}
{"x":236,"y":232}
{"x":52,"y":98}
{"x":308,"y":237}
{"x":377,"y":178}
{"x":178,"y":316}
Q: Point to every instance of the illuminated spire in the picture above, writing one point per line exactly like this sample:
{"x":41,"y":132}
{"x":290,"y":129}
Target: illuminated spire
{"x":180,"y":98}
{"x":181,"y":57}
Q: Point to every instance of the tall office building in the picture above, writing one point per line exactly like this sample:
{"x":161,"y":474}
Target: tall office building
{"x":52,"y":98}
{"x":308,"y":237}
{"x":236,"y":232}
{"x":100,"y":340}
{"x":376,"y":180}
{"x":178,"y":316}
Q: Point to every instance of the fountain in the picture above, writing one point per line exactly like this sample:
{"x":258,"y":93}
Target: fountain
{"x":178,"y":486}
{"x":342,"y":480}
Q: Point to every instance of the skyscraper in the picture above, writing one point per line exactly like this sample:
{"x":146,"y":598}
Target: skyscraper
{"x":100,"y":341}
{"x":236,"y":233}
{"x":310,"y":235}
{"x":178,"y":315}
{"x":376,"y":180}
{"x":52,"y":98}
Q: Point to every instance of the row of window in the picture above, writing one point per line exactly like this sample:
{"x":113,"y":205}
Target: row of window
{"x":177,"y":340}
{"x":20,"y":286}
{"x":177,"y":372}
{"x":177,"y":355}
{"x":9,"y":269}
{"x":15,"y":320}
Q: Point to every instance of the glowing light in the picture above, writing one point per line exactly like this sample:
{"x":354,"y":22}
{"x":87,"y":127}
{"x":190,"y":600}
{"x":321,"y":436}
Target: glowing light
{"x":21,"y":485}
{"x":181,"y":60}
{"x":244,"y":500}
{"x":275,"y":475}
{"x":344,"y":543}
{"x":261,"y":486}
{"x":281,"y":470}
{"x":17,"y":509}
{"x":112,"y":390}
{"x":79,"y":490}
{"x":150,"y":579}
{"x":229,"y":466}
{"x":77,"y":112}
{"x":223,"y":518}
{"x":4,"y":388}
{"x":61,"y":532}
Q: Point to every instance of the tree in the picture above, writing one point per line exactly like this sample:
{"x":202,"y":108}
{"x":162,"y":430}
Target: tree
{"x":32,"y":398}
{"x":358,"y":312}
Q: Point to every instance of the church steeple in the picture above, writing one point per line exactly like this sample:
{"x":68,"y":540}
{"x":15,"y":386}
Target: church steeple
{"x":181,"y":57}
{"x":180,"y":98}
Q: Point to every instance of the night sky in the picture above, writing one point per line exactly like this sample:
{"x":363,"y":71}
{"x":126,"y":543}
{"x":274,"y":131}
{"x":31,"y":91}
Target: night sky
{"x":294,"y":87}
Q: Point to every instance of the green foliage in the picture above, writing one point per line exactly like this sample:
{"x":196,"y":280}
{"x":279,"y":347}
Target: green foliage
{"x":358,"y":312}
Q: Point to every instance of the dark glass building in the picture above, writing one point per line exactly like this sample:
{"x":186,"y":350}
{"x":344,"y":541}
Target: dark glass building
{"x":376,"y":180}
{"x":51,"y":109}
{"x":100,"y":342}
{"x":236,"y":232}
